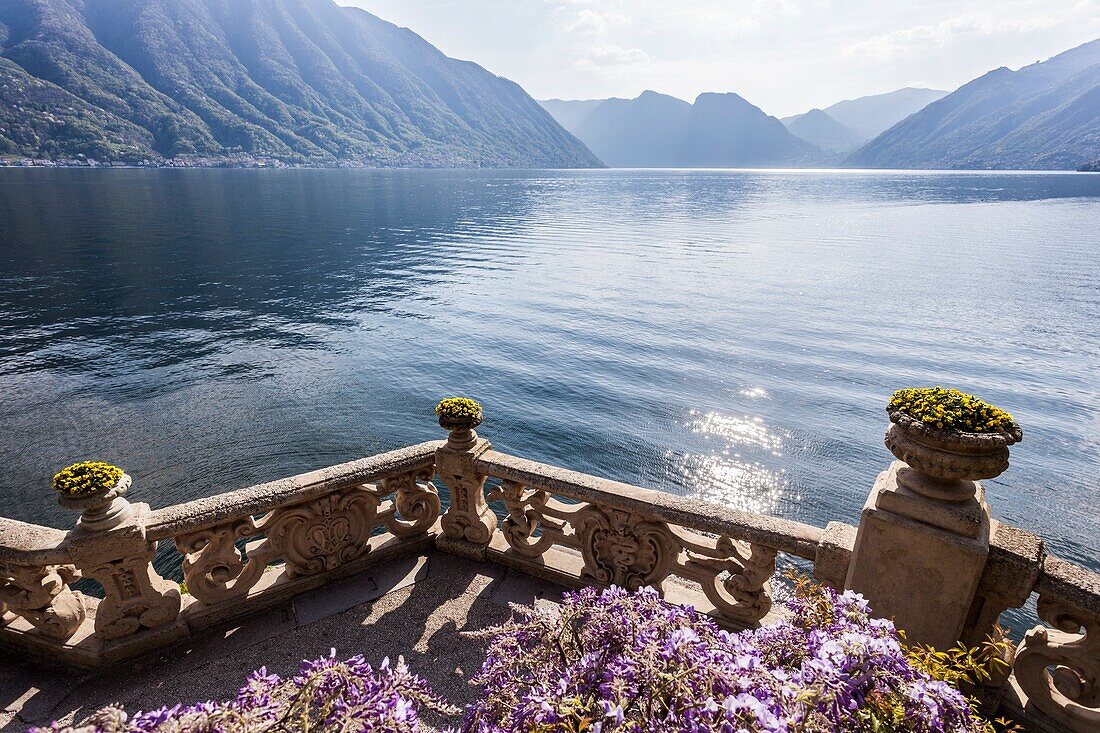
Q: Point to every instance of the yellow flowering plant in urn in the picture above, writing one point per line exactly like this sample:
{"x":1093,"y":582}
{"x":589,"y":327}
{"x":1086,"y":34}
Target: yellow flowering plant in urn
{"x":95,"y":489}
{"x":951,"y":437}
{"x":86,"y":477}
{"x":458,"y":413}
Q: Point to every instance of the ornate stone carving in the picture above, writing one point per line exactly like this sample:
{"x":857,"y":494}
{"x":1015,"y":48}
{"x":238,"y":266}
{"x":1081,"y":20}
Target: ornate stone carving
{"x":135,"y":597}
{"x":468,"y":517}
{"x":1059,"y":669}
{"x":42,"y":596}
{"x":735,"y":576}
{"x":325,"y":533}
{"x":624,"y":549}
{"x":416,"y":501}
{"x":214,"y":568}
{"x":527,"y":513}
{"x":946,"y":463}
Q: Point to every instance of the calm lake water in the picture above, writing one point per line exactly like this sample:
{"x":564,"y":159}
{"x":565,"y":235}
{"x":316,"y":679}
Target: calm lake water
{"x":727,"y":335}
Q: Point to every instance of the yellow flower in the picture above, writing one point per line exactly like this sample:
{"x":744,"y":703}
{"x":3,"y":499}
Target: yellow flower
{"x":86,"y":477}
{"x":950,"y":409}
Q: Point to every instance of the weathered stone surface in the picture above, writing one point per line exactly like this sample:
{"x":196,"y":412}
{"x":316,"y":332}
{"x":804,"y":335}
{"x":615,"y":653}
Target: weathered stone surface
{"x":782,"y":534}
{"x":120,"y":558}
{"x":468,"y":518}
{"x":1011,"y":571}
{"x":834,"y":554}
{"x":180,"y":519}
{"x":922,"y":576}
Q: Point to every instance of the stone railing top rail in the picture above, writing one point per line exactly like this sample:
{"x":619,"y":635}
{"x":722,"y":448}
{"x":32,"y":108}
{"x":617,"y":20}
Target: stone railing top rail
{"x":193,"y":515}
{"x":1070,"y":583}
{"x":784,"y":535}
{"x":31,"y":543}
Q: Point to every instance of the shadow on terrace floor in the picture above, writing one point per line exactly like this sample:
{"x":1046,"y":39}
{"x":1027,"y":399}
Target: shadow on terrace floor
{"x":413,"y":607}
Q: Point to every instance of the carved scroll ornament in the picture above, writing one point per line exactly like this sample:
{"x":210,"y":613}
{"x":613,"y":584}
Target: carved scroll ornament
{"x":1059,"y":668}
{"x":41,"y":595}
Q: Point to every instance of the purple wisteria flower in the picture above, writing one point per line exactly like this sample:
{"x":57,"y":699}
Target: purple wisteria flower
{"x":325,"y":695}
{"x":617,"y":662}
{"x":612,"y":662}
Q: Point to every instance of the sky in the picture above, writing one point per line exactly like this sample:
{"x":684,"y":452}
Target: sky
{"x":785,"y":56}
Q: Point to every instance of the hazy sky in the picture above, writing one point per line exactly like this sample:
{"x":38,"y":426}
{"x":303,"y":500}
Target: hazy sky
{"x":784,"y":55}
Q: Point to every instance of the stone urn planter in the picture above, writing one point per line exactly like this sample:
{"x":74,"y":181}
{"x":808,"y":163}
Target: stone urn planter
{"x":460,"y":423}
{"x":102,"y":509}
{"x":460,"y":416}
{"x":947,"y":462}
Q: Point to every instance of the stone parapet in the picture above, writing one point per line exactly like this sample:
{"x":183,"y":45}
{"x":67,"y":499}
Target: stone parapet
{"x":926,"y":552}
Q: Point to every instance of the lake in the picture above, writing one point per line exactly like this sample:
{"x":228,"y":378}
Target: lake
{"x":729,"y":335}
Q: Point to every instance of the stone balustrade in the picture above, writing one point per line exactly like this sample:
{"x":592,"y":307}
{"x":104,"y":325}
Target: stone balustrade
{"x":252,"y":548}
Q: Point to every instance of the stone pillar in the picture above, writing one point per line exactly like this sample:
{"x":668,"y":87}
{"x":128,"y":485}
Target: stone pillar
{"x":924,"y":533}
{"x":468,"y":524}
{"x":109,"y":545}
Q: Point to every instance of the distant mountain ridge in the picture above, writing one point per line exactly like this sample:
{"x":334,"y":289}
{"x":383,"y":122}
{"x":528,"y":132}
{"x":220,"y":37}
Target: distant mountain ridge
{"x":818,"y":128}
{"x":659,"y":131}
{"x":1043,"y":116}
{"x":844,"y":126}
{"x":569,"y":112}
{"x":297,"y":80}
{"x":872,"y":115}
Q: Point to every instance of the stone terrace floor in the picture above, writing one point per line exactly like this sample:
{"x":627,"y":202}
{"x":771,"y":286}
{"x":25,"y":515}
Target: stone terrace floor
{"x":413,"y":607}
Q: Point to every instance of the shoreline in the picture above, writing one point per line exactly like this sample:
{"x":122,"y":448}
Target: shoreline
{"x":281,"y":165}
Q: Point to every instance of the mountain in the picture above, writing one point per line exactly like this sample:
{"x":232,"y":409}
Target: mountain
{"x":297,"y":80}
{"x":717,"y":131}
{"x":1045,"y":116}
{"x":569,"y":112}
{"x":873,"y":115}
{"x":1092,"y":167}
{"x":817,"y":127}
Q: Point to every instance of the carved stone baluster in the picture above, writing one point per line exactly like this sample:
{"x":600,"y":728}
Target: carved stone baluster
{"x":735,"y":576}
{"x":469,"y":523}
{"x":214,"y":568}
{"x":41,"y":595}
{"x":526,"y":514}
{"x":416,"y":501}
{"x":624,"y":549}
{"x":325,"y":533}
{"x":1058,"y":670}
{"x":118,"y":555}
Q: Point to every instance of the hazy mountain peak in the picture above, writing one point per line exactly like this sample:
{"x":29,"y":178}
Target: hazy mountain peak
{"x":819,"y":128}
{"x":873,"y":114}
{"x":721,"y":129}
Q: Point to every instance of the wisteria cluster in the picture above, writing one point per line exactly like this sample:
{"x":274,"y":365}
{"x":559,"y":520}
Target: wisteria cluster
{"x":616,"y":662}
{"x":325,"y":695}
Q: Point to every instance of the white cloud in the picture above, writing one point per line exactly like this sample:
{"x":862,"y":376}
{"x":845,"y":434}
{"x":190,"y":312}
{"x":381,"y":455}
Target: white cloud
{"x":596,"y":22}
{"x":603,"y":57}
{"x":922,"y":38}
